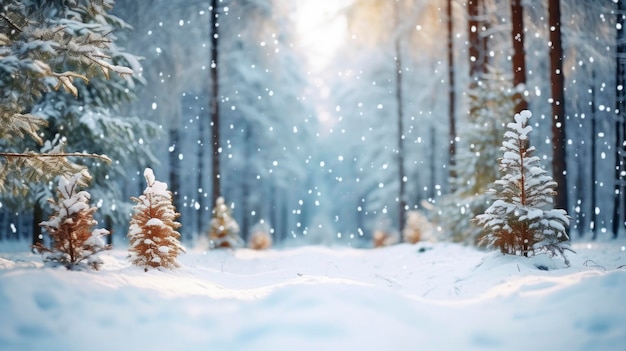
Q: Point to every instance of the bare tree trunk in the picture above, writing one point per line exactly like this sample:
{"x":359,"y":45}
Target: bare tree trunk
{"x":215,"y":113}
{"x":36,"y":230}
{"x":108,"y":224}
{"x":245,"y":186}
{"x":202,"y":218}
{"x":476,"y":44}
{"x":174,"y":163}
{"x":452,"y":101}
{"x":620,"y":111}
{"x":594,"y":132}
{"x":400,"y":136}
{"x":519,"y":59}
{"x":559,"y":139}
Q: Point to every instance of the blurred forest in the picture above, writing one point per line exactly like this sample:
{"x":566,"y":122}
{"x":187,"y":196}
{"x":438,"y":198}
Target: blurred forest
{"x":406,"y":112}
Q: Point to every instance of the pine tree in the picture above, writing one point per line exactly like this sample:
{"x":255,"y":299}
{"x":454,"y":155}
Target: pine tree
{"x":519,"y":221}
{"x":73,"y":240}
{"x":153,"y":239}
{"x":417,"y":225}
{"x":260,"y":239}
{"x":224,"y":232}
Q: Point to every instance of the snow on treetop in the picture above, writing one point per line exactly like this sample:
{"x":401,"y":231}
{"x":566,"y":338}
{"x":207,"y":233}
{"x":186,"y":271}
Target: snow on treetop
{"x":521,"y":126}
{"x":153,"y":185}
{"x":149,"y":175}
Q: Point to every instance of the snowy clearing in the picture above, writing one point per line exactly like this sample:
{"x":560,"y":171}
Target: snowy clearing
{"x":423,"y":297}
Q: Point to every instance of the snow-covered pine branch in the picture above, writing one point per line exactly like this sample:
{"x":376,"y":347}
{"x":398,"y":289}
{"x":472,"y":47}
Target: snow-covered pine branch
{"x":51,"y":45}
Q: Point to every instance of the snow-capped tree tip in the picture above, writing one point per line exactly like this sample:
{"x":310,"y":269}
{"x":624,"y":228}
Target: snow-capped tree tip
{"x":74,"y":243}
{"x":520,"y":220}
{"x":153,"y":239}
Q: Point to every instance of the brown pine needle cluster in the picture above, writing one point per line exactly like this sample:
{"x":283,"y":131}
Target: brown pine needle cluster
{"x":153,"y":239}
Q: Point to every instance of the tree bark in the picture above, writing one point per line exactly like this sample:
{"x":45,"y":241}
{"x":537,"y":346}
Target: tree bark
{"x":37,"y":238}
{"x":174,"y":163}
{"x":620,"y":111}
{"x":202,"y":218}
{"x":452,"y":101}
{"x":519,"y":56}
{"x":400,"y":115}
{"x":477,"y":42}
{"x":559,"y":138}
{"x":594,"y":204}
{"x":215,"y":113}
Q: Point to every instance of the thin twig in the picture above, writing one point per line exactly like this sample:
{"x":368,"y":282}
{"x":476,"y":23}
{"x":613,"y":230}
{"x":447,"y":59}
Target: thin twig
{"x":63,"y":154}
{"x":15,"y":26}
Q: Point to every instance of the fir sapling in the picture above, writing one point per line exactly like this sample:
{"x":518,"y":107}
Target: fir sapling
{"x":153,"y":239}
{"x":224,"y":232}
{"x":260,"y":239}
{"x":521,"y":221}
{"x":74,"y":243}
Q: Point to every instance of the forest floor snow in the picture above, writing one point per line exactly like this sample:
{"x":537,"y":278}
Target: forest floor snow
{"x":430,"y":296}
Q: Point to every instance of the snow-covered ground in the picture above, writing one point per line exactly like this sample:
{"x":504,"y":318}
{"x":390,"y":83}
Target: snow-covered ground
{"x":423,"y":297}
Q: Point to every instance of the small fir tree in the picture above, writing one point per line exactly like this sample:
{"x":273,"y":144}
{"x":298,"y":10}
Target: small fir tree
{"x":383,"y":238}
{"x":416,"y":227}
{"x":519,"y":221}
{"x":260,"y":239}
{"x":74,"y":243}
{"x":224,"y":232}
{"x":153,"y":239}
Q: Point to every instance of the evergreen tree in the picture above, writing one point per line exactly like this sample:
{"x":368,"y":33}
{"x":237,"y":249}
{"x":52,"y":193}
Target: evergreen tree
{"x":153,"y":239}
{"x":260,"y":239}
{"x":72,"y":103}
{"x":416,"y":227}
{"x":519,"y":221}
{"x":224,"y":232}
{"x":73,"y":240}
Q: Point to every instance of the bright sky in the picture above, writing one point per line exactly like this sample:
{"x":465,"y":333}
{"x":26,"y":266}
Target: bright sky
{"x":321,"y":30}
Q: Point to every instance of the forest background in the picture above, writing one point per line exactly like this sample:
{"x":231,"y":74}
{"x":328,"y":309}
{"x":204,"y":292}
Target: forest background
{"x":393,"y":121}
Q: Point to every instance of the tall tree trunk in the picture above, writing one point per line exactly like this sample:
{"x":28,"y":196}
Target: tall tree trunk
{"x":174,"y":163}
{"x":559,"y":139}
{"x":452,"y":101}
{"x":37,"y":238}
{"x":108,"y":224}
{"x":594,"y":132}
{"x":477,"y":43}
{"x":620,"y":111}
{"x":215,"y":113}
{"x":245,"y":185}
{"x":202,"y":218}
{"x":400,"y":135}
{"x":433,"y":164}
{"x":519,"y":56}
